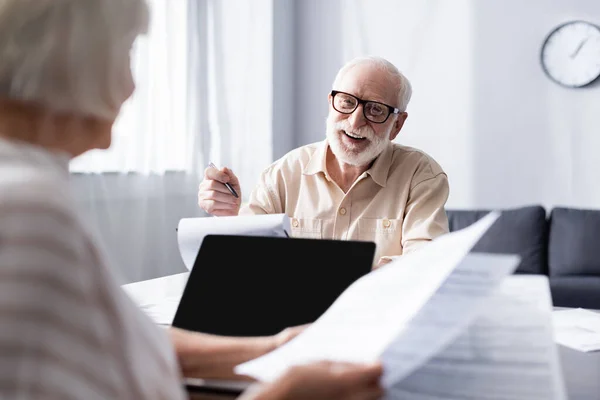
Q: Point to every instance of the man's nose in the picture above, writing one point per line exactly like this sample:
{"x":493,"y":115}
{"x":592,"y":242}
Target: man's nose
{"x":357,"y":118}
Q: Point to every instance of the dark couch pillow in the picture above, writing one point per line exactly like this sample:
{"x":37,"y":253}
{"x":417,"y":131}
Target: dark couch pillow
{"x":574,"y":242}
{"x":522,"y":231}
{"x":575,"y":291}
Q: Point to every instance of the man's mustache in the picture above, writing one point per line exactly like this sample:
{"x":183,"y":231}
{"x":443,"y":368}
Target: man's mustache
{"x":364,"y":131}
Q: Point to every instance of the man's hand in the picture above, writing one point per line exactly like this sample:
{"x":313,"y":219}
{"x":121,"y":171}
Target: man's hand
{"x":214,"y":197}
{"x":323,"y":380}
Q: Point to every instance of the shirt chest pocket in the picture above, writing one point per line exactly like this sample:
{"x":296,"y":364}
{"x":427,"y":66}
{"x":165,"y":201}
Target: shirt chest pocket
{"x":309,"y":228}
{"x":385,"y":232}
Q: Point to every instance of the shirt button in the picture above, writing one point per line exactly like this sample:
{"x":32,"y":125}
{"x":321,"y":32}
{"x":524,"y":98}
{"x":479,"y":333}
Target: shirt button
{"x":386,"y":223}
{"x":295,"y":223}
{"x":343,"y":211}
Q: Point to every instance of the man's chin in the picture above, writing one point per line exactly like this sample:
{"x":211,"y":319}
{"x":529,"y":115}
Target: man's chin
{"x":350,"y":157}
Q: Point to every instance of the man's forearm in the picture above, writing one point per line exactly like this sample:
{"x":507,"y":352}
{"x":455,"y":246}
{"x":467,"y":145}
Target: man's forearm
{"x":209,"y":356}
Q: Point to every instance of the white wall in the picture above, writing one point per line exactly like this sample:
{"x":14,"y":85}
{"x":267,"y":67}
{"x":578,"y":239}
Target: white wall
{"x":505,"y":134}
{"x":283,"y":77}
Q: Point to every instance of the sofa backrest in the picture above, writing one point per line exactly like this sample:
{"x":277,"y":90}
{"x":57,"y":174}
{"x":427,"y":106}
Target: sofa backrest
{"x":574,"y":242}
{"x":522,"y":231}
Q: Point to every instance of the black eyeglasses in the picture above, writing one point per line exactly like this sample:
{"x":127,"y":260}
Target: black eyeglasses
{"x":374,"y":111}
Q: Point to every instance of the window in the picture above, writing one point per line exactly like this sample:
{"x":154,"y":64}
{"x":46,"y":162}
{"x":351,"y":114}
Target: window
{"x":153,"y":132}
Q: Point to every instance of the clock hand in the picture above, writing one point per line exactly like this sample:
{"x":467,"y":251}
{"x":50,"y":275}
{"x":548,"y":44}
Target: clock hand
{"x":574,"y":54}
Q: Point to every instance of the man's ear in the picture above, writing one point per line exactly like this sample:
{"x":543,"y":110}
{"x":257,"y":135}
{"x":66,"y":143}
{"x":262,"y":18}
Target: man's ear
{"x":398,"y":124}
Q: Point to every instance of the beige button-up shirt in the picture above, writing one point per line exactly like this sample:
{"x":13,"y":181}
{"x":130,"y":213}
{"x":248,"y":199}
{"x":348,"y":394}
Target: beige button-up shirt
{"x":398,"y":203}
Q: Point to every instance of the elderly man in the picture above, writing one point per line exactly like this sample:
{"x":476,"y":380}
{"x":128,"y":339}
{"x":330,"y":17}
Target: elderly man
{"x":356,"y":184}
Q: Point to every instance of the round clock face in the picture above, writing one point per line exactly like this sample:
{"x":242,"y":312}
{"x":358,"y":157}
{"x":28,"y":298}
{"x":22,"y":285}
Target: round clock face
{"x":571,"y":54}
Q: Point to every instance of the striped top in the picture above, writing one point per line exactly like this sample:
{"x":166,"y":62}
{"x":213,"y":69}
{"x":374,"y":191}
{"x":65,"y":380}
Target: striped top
{"x":67,"y":330}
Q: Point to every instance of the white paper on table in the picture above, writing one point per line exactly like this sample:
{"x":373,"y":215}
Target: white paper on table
{"x":373,"y":311}
{"x":158,"y":297}
{"x":507,"y":352}
{"x":162,"y":311}
{"x":191,"y":231}
{"x":578,"y":329}
{"x":448,"y":312}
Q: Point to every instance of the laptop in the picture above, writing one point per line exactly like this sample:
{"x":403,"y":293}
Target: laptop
{"x":257,"y":285}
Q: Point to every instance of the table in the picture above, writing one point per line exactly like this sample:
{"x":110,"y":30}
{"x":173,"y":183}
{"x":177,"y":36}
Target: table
{"x":581,"y":371}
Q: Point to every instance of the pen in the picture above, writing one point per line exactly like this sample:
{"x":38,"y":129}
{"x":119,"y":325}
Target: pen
{"x":227,"y":185}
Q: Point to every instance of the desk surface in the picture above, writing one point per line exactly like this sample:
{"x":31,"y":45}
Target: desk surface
{"x":581,"y":370}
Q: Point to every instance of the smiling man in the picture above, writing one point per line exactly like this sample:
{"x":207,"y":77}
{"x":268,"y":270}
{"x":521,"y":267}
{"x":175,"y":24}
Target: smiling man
{"x":356,"y":184}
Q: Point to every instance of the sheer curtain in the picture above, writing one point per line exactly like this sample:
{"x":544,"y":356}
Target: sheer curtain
{"x":154,"y":132}
{"x":204,"y":77}
{"x":239,"y":54}
{"x":136,"y":192}
{"x":204,"y":92}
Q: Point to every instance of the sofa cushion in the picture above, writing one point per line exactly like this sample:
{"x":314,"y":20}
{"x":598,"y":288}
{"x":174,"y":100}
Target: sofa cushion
{"x":574,"y":242}
{"x":522,"y":231}
{"x":575,"y":291}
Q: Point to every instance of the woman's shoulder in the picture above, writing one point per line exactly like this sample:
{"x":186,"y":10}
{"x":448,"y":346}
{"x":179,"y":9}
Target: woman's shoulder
{"x":33,"y":187}
{"x":34,"y":203}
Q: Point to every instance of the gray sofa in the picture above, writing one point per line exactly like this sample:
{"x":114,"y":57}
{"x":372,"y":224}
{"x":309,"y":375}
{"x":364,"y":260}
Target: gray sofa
{"x":563,"y":244}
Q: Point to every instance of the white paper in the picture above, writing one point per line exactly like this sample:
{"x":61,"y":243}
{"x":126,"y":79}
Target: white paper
{"x":373,"y":311}
{"x":578,"y":329}
{"x":158,"y":298}
{"x":148,"y":291}
{"x":508,"y":352}
{"x":191,"y":231}
{"x":447,"y":314}
{"x":162,"y":311}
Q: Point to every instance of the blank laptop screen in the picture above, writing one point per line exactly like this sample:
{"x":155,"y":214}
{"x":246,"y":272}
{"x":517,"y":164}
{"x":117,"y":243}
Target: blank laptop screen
{"x":255,"y":286}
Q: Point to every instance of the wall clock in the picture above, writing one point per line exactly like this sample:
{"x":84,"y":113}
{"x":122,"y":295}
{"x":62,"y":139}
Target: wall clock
{"x":570,"y":54}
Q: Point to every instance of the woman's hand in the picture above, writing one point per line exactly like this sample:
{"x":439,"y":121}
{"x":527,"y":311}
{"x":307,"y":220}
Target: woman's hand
{"x":288,"y":334}
{"x":323,"y":380}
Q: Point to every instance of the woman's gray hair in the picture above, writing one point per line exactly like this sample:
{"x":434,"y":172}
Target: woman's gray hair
{"x":68,"y":55}
{"x":401,"y":83}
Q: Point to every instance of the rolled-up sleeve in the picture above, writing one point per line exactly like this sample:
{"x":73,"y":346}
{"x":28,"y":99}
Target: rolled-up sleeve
{"x":425,"y":216}
{"x":264,"y":198}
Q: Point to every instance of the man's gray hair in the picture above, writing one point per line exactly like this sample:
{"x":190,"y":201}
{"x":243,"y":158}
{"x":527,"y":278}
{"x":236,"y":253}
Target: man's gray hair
{"x":68,"y":55}
{"x":401,"y":83}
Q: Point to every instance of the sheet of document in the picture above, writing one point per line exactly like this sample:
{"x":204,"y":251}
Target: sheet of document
{"x":162,"y":311}
{"x":373,"y":311}
{"x":507,"y":353}
{"x":449,"y":311}
{"x":578,"y":329}
{"x":159,"y":297}
{"x":191,"y":231}
{"x":152,"y":290}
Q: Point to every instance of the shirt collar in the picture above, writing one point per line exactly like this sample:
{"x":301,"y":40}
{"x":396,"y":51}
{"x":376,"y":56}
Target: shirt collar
{"x":379,"y":170}
{"x":317,"y":162}
{"x":19,"y":151}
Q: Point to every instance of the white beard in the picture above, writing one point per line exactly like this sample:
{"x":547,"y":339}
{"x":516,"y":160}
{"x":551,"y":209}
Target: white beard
{"x":348,"y":155}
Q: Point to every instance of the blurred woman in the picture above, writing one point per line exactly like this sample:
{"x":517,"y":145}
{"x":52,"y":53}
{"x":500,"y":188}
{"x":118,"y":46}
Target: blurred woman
{"x":67,"y":329}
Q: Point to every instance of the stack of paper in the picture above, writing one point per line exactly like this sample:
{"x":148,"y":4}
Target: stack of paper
{"x":578,"y":329}
{"x":445,"y":324}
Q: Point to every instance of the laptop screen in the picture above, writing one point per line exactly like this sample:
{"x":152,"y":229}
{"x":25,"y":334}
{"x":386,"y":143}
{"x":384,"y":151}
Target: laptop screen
{"x":256,"y":286}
